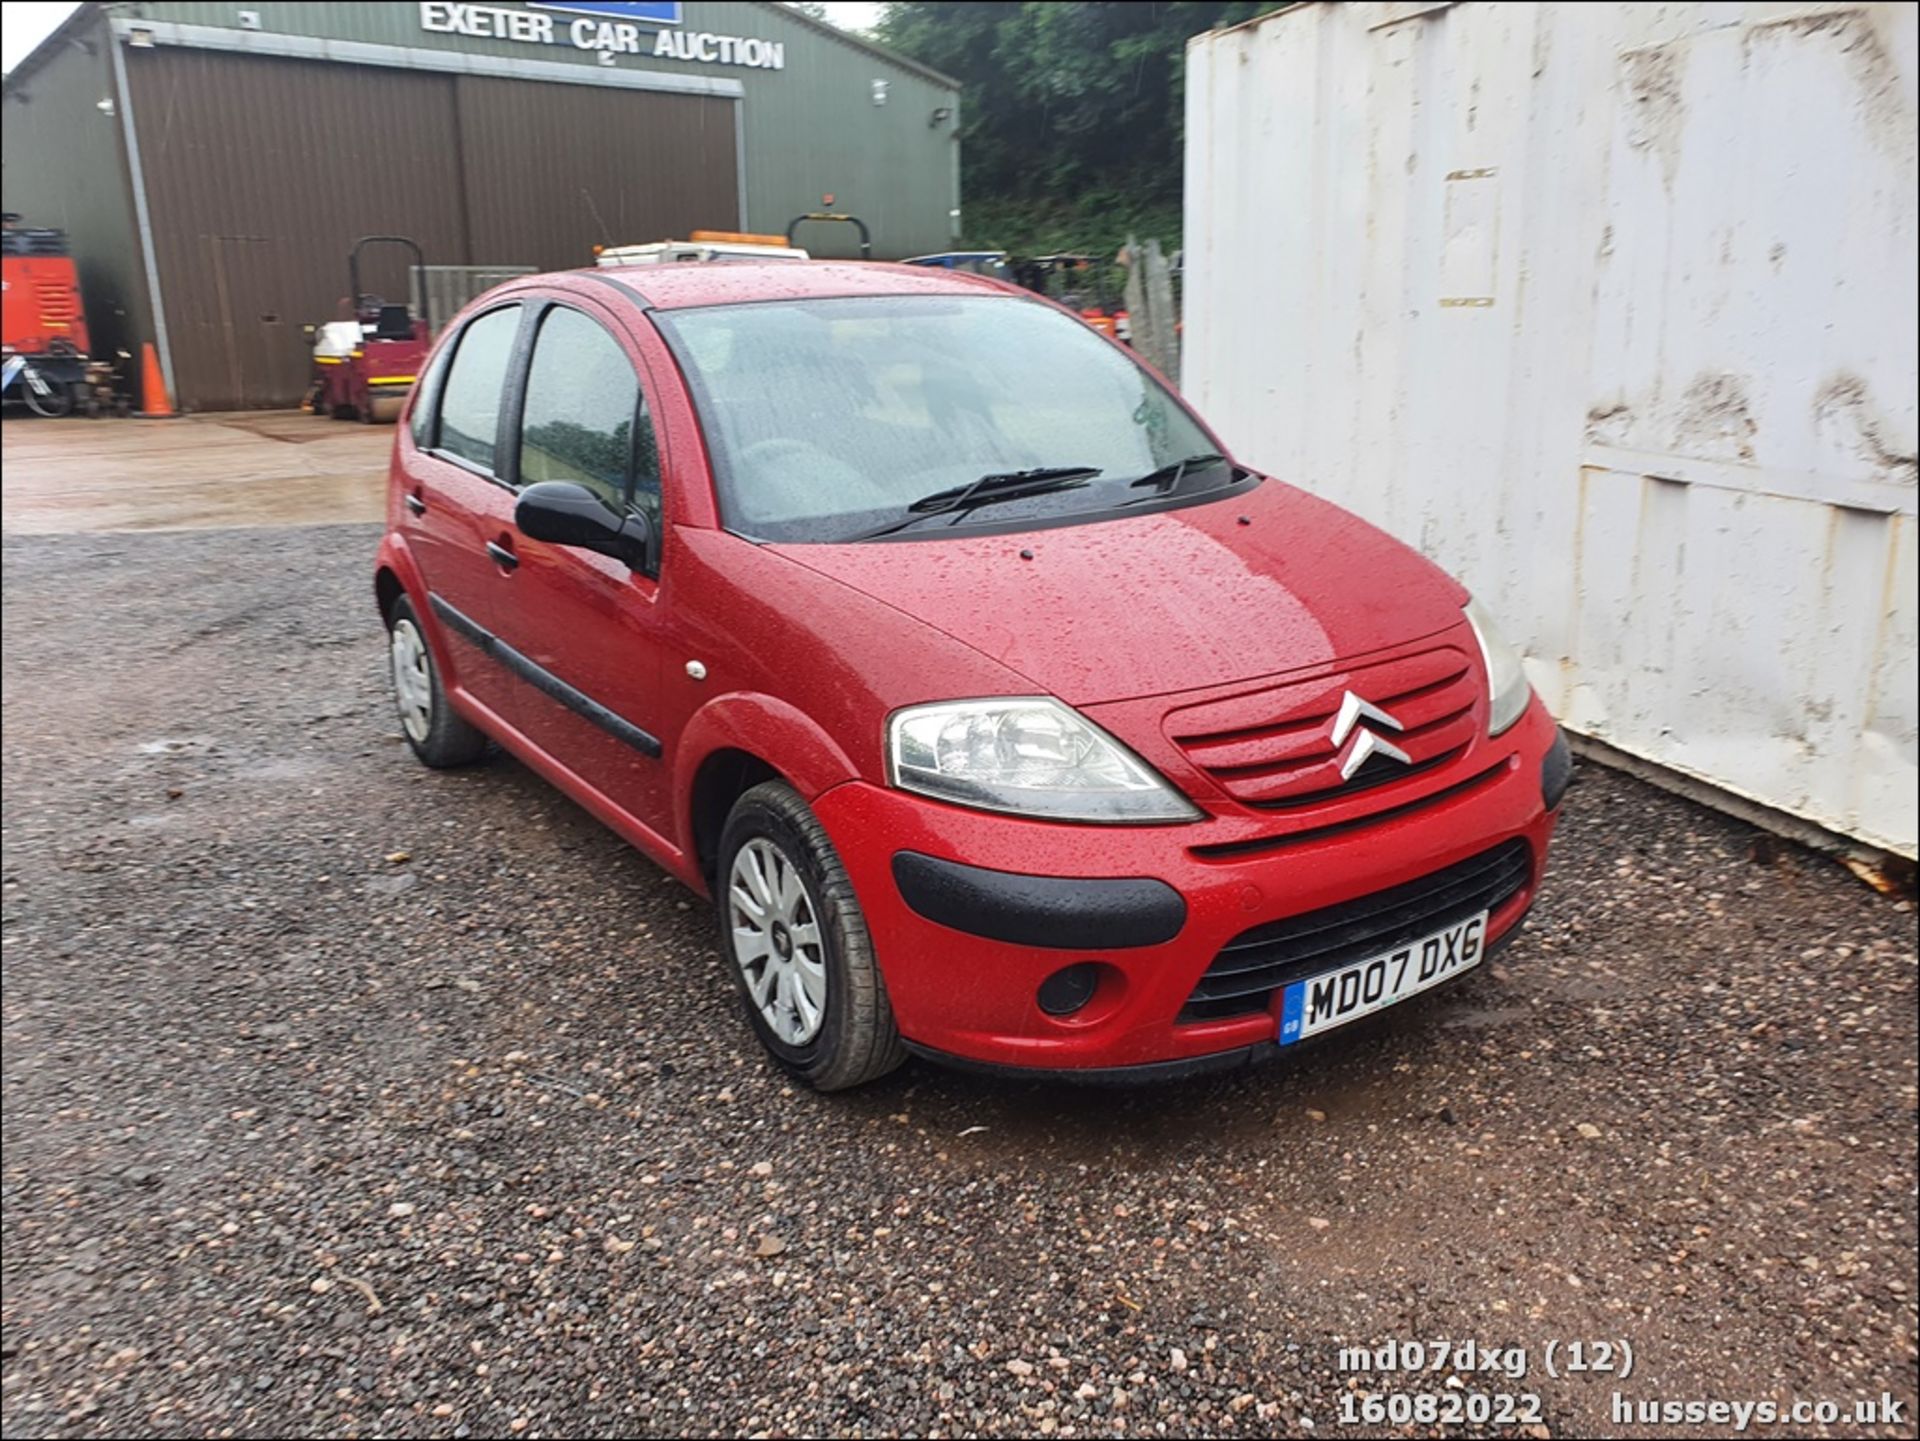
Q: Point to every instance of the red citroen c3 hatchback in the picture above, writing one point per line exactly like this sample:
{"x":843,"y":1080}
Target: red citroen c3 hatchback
{"x":1006,"y":718}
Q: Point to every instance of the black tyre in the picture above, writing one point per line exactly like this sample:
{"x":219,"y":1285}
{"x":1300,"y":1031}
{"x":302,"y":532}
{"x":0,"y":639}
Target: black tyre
{"x":794,"y":937}
{"x":439,"y":737}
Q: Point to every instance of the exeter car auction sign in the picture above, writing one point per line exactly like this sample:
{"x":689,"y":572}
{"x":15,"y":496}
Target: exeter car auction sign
{"x":618,"y":29}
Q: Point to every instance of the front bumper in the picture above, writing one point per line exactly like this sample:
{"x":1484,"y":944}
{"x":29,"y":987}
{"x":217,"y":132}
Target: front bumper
{"x":964,"y":959}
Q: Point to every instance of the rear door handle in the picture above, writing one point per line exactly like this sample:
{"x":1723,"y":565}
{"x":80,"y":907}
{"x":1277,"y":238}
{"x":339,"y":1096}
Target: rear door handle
{"x":502,"y":556}
{"x":416,"y":504}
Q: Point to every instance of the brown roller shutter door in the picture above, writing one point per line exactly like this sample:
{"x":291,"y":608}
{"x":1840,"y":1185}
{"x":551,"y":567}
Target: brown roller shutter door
{"x":553,"y":170}
{"x":261,"y":172}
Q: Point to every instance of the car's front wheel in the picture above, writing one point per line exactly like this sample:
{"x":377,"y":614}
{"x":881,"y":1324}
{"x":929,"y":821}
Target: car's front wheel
{"x":798,"y":945}
{"x":438,"y":735}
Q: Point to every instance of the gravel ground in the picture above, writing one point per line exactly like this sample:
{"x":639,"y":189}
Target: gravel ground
{"x":341,"y":1097}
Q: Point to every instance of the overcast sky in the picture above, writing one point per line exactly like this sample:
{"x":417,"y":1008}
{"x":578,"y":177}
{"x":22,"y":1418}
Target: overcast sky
{"x":25,"y":23}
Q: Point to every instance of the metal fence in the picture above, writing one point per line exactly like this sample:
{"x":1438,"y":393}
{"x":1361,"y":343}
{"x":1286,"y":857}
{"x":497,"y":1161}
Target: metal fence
{"x":448,"y":287}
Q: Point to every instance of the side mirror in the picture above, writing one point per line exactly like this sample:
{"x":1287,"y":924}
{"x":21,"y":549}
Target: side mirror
{"x":562,"y":513}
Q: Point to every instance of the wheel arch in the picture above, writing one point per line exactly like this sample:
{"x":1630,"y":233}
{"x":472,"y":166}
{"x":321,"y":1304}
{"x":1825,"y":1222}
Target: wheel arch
{"x":395,"y":573}
{"x":387,"y":589}
{"x":723,"y":777}
{"x":733,"y":744}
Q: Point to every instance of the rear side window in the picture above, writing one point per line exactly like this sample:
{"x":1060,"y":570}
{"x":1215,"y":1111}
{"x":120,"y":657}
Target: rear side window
{"x":470,"y":398}
{"x":582,"y":402}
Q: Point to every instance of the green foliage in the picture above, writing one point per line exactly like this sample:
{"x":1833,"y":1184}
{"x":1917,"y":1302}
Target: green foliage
{"x":1096,"y":223}
{"x":1070,"y":111}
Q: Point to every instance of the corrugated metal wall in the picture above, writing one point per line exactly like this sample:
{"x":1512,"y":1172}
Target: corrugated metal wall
{"x":258,"y":179}
{"x":810,"y":129}
{"x":1608,"y":308}
{"x":252,"y":222}
{"x":551,"y":170}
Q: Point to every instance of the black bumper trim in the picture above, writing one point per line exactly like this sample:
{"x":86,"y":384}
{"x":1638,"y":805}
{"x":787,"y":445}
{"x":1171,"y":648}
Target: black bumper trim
{"x":1060,"y":913}
{"x":1147,"y":1073}
{"x":1556,"y":771}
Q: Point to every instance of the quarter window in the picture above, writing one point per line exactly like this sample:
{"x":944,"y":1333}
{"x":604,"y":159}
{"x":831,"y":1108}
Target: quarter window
{"x":427,"y":399}
{"x":646,"y":466}
{"x":583,"y":400}
{"x":470,"y":401}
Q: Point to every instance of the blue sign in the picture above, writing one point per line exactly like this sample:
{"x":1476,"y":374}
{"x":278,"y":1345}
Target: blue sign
{"x":644,"y":12}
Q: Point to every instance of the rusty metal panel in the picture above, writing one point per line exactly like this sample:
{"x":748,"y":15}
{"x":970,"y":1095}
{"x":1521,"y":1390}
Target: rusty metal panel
{"x":260,"y":174}
{"x":552,"y":170}
{"x":1608,"y":308}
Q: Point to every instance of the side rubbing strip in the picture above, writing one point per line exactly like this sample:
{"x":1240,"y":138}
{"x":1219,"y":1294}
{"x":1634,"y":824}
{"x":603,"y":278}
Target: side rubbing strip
{"x":545,"y":681}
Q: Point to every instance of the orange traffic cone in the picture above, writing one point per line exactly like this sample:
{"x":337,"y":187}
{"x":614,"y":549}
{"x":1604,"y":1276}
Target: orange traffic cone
{"x":153,"y":387}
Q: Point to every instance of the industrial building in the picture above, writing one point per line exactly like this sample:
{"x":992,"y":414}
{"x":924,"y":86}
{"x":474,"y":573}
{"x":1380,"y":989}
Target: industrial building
{"x":213,"y":164}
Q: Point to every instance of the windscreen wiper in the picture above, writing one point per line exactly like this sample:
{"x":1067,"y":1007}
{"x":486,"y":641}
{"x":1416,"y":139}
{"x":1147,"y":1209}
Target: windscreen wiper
{"x":1000,"y":485}
{"x":990,"y":489}
{"x":1167,"y":478}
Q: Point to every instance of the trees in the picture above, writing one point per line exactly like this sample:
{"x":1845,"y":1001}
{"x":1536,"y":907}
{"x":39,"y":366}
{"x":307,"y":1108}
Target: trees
{"x":1068,"y":109}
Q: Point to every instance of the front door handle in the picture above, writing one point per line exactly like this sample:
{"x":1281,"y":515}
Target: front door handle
{"x":502,"y":557}
{"x":416,"y":504}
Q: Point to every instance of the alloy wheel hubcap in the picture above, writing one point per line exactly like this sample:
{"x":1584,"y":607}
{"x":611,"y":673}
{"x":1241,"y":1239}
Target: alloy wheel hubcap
{"x":776,"y":941}
{"x":412,"y":682}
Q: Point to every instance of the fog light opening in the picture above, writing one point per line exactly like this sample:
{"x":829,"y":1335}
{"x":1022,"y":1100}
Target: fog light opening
{"x":1069,"y":989}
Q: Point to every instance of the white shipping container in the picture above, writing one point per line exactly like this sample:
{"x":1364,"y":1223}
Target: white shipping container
{"x":1610,"y":309}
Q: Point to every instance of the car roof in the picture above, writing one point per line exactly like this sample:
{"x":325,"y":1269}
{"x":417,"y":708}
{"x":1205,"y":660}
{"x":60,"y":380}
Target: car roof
{"x":681,"y":286}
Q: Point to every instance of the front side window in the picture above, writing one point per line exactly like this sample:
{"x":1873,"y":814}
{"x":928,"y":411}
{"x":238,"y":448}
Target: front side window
{"x":835,"y":420}
{"x":470,"y":398}
{"x":582,"y":404}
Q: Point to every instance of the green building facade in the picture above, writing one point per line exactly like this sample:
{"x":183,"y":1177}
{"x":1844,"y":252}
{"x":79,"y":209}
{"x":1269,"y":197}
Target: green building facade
{"x":213,"y":163}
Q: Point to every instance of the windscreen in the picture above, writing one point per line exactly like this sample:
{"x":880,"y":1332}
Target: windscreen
{"x":833,"y":420}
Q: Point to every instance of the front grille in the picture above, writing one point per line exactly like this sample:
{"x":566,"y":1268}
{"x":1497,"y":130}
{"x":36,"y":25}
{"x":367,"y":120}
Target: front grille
{"x":1262,"y":845}
{"x":1256,"y":963}
{"x":1272,"y":749}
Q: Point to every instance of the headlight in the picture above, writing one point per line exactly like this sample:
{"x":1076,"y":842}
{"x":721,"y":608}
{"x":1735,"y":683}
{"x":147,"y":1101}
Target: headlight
{"x":1507,"y":688}
{"x":1028,"y":755}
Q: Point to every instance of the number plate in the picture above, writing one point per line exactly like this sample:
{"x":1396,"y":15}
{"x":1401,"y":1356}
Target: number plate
{"x":1333,"y":998}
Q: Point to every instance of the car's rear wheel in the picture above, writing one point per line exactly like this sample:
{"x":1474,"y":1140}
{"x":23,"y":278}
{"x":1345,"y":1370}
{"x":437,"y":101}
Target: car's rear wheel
{"x":438,"y":735}
{"x":798,"y":945}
